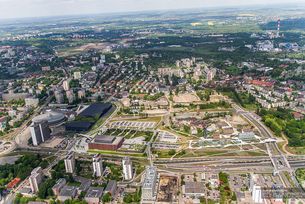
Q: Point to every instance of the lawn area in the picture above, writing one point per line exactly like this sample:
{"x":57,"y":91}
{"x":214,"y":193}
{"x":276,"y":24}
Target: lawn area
{"x":300,"y":173}
{"x":122,"y":154}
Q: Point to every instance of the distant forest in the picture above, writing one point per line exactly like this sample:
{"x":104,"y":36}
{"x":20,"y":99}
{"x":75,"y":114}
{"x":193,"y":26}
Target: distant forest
{"x":288,"y":24}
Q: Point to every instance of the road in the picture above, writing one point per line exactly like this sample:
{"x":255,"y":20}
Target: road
{"x":279,"y":161}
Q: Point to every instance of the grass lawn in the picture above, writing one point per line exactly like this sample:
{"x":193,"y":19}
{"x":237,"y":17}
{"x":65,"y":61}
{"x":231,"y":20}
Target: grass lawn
{"x":115,"y":153}
{"x":296,"y":150}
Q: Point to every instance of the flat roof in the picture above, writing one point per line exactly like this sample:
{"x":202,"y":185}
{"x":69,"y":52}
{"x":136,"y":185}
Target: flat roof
{"x":96,"y":109}
{"x":68,"y":191}
{"x":194,"y":187}
{"x":104,"y":139}
{"x":94,"y":192}
{"x":110,"y":185}
{"x":79,"y":124}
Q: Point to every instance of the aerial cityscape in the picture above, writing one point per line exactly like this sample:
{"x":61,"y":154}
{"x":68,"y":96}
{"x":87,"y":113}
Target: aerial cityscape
{"x":152,"y":103}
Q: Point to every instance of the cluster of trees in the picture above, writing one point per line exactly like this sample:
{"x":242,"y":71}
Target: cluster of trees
{"x":19,"y":199}
{"x":133,"y":197}
{"x":153,"y":97}
{"x":224,"y":188}
{"x":21,"y":169}
{"x":45,"y":188}
{"x":244,"y":99}
{"x":300,"y":173}
{"x":204,"y":95}
{"x":281,"y":121}
{"x":74,"y":83}
{"x":220,"y":104}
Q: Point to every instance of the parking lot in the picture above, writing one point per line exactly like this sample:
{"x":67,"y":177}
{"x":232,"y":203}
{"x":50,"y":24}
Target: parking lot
{"x":133,"y":124}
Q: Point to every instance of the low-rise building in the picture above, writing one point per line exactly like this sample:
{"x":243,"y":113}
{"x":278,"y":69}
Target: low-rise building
{"x":58,"y":186}
{"x":67,"y":193}
{"x":111,"y":187}
{"x":93,"y":195}
{"x":193,"y":189}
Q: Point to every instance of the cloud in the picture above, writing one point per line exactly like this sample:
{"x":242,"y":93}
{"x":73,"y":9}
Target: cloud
{"x":35,"y":8}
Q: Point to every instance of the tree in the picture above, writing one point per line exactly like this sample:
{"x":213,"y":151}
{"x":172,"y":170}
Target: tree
{"x":171,"y":152}
{"x":106,"y":198}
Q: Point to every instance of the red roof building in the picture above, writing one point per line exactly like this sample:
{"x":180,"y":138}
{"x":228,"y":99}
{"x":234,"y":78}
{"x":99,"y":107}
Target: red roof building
{"x":13,"y":183}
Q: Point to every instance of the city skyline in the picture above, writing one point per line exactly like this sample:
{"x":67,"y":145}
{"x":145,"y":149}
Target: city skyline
{"x":40,"y":8}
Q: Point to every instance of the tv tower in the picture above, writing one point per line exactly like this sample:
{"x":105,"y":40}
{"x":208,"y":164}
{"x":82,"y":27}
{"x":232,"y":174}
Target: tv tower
{"x":278,"y":27}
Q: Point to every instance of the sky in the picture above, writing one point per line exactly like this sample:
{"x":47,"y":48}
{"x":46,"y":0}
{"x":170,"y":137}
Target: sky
{"x":38,"y":8}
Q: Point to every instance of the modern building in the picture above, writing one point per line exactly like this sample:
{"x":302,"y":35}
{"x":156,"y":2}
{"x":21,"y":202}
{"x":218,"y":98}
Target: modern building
{"x":96,"y":110}
{"x":67,"y":193}
{"x":127,"y":168}
{"x":40,"y":132}
{"x":93,"y":195}
{"x":58,"y":186}
{"x":70,"y":163}
{"x":78,"y":126}
{"x":97,"y":165}
{"x":111,"y":187}
{"x":54,"y":118}
{"x":35,"y":179}
{"x":102,"y":142}
{"x":149,"y":185}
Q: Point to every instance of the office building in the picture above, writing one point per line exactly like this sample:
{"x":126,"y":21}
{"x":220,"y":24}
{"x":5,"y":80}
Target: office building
{"x":97,"y":165}
{"x":70,"y":163}
{"x":149,"y":185}
{"x":35,"y":179}
{"x":127,"y":168}
{"x":40,"y":132}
